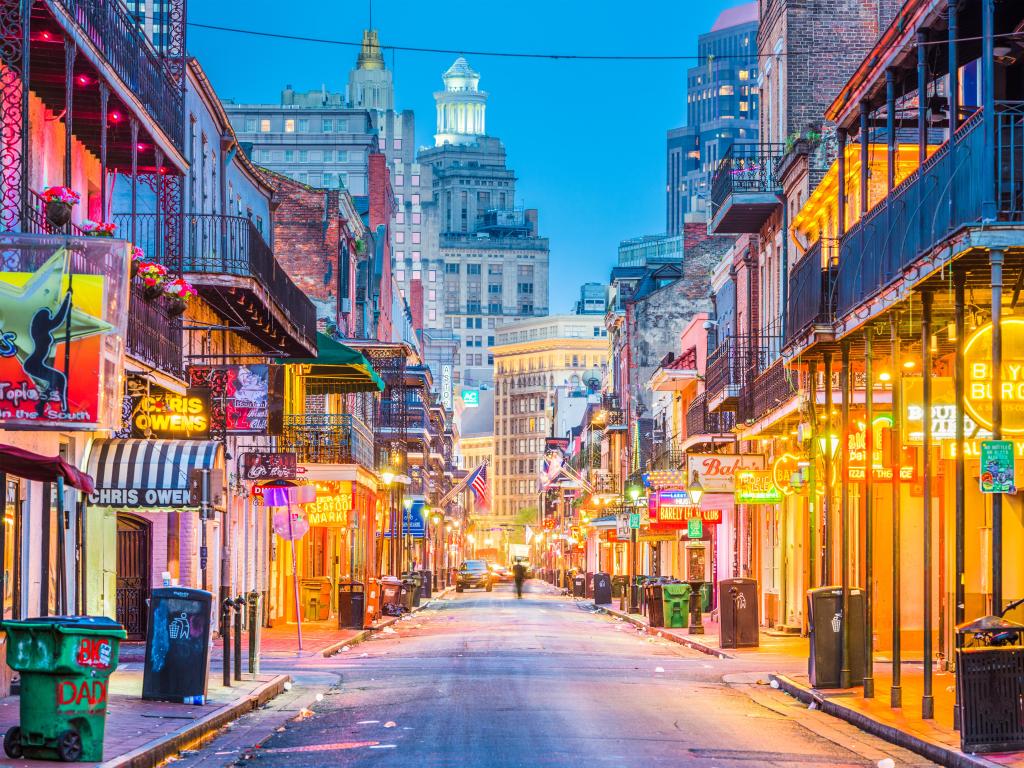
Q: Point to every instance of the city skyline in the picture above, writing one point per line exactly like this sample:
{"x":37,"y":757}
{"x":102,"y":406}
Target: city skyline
{"x":545,"y":141}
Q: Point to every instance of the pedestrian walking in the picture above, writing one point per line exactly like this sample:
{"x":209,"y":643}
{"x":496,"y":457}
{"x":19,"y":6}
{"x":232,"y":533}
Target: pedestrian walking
{"x":519,"y":575}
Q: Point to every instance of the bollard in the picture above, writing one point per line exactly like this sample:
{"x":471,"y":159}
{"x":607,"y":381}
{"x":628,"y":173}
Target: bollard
{"x":225,"y":633}
{"x":239,"y":605}
{"x":253,"y":599}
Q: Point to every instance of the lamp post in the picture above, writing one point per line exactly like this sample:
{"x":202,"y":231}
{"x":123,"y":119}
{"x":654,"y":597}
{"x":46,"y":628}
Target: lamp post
{"x":388,"y":477}
{"x":634,"y":590}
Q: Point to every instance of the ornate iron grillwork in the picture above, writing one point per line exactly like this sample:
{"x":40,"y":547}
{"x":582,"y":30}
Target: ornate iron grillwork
{"x":13,"y":176}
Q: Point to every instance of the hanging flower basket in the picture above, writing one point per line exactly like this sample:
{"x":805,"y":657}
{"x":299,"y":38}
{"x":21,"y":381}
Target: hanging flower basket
{"x":138,"y":257}
{"x":100,"y":228}
{"x":153,"y":277}
{"x":179,"y":293}
{"x":58,"y":202}
{"x":152,"y":292}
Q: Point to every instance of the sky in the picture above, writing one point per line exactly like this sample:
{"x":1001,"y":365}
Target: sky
{"x":586,"y":139}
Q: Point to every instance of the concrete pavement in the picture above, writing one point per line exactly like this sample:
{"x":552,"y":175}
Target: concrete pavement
{"x":487,"y":680}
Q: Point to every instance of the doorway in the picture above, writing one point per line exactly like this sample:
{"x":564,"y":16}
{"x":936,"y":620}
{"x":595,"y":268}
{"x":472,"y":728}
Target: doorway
{"x":133,"y":556}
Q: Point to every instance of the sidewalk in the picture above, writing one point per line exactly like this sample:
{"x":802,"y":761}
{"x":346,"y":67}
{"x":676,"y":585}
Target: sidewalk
{"x":783,"y":658}
{"x":141,"y":734}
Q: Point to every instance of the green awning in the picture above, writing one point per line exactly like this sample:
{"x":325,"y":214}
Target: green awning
{"x":340,"y":363}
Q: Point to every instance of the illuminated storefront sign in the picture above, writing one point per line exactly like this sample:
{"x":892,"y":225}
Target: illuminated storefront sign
{"x":756,"y":486}
{"x":943,"y":410}
{"x":978,"y":366}
{"x":673,"y":510}
{"x":717,"y":470}
{"x":471,"y":398}
{"x":333,"y":504}
{"x":172,"y":416}
{"x":446,"y":386}
{"x":881,"y":469}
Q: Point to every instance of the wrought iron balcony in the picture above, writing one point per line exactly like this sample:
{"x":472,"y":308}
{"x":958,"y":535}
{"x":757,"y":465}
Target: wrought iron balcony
{"x":811,"y":301}
{"x":668,"y":455}
{"x":235,"y":271}
{"x":769,"y":390}
{"x":154,"y":337}
{"x":744,"y":189}
{"x":932,"y":202}
{"x":699,"y":421}
{"x":328,"y":439}
{"x":114,"y":32}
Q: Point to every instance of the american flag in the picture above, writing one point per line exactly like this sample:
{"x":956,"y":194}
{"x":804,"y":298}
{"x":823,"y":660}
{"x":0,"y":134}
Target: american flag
{"x":478,"y":484}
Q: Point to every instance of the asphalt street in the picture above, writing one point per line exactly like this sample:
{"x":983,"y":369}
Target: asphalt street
{"x":483,"y":679}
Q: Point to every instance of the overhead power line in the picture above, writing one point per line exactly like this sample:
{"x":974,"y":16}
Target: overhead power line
{"x":548,"y":56}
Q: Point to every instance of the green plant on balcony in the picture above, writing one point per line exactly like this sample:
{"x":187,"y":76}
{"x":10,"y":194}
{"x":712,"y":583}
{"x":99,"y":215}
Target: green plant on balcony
{"x":810,"y":137}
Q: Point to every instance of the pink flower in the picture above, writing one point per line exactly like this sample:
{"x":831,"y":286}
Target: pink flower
{"x":138,"y":254}
{"x":181,"y":288}
{"x":62,"y":194}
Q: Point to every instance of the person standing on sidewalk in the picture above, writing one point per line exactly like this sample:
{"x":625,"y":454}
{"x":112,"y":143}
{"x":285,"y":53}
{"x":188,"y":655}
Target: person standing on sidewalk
{"x":519,"y":576}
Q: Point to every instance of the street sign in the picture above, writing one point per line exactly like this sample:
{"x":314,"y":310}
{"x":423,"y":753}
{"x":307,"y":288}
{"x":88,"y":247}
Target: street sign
{"x":634,"y":520}
{"x":997,"y":466}
{"x":694,"y":528}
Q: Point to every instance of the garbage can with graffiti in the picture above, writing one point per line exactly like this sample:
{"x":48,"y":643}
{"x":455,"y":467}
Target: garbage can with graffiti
{"x":178,"y":646}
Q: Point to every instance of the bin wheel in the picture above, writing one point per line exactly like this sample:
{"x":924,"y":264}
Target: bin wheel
{"x":69,"y":746}
{"x":12,"y":743}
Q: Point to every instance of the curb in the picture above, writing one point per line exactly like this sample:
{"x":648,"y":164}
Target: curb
{"x":689,"y":642}
{"x":155,"y":752}
{"x":926,"y":748}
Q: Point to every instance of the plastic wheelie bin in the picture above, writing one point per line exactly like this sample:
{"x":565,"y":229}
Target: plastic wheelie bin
{"x":415,"y":579}
{"x":676,"y":601}
{"x":351,"y":605}
{"x":64,"y":662}
{"x":391,"y":596}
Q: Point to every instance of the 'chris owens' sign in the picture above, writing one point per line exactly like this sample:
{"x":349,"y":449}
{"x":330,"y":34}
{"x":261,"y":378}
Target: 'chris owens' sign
{"x":172,"y":416}
{"x":140,"y":497}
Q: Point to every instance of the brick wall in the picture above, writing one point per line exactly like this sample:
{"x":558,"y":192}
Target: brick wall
{"x":382,"y":208}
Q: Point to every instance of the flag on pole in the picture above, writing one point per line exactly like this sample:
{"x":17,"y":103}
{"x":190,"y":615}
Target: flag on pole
{"x":477,"y":483}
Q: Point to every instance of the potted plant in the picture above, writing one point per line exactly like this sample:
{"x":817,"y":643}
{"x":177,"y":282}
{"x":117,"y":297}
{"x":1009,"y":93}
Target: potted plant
{"x":138,"y":257}
{"x":153,"y":277}
{"x":59,"y":201}
{"x":99,"y":228}
{"x":179,"y":292}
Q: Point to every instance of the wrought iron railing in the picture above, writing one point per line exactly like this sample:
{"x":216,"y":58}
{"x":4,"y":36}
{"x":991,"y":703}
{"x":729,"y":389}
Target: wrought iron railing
{"x":937,"y":198}
{"x":700,"y":422}
{"x":153,"y":337}
{"x":668,"y":455}
{"x":328,"y":439}
{"x":745,"y":168}
{"x":770,"y":389}
{"x":736,"y":361}
{"x":117,"y":35}
{"x":811,"y":299}
{"x":228,"y":245}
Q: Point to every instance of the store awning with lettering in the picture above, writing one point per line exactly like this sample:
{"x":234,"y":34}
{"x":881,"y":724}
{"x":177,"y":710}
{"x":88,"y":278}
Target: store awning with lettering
{"x":150,"y":473}
{"x":340,"y":363}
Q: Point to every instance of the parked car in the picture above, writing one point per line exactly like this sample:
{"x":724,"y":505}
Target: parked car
{"x":474,"y":574}
{"x":501,"y":573}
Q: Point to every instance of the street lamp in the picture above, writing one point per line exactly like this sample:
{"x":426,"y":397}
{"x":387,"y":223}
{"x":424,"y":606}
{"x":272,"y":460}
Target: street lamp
{"x":695,"y":490}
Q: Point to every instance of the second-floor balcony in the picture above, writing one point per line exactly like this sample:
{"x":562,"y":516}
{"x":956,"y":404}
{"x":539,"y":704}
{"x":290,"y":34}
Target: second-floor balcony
{"x":328,"y":439}
{"x":733,"y":363}
{"x":811,"y":299}
{"x":700,"y":421}
{"x":235,"y":271}
{"x":744,"y":189}
{"x":769,"y":390}
{"x":154,"y":338}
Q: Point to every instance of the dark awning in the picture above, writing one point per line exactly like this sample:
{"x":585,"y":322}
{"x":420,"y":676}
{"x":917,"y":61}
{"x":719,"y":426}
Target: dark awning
{"x":340,"y":363}
{"x":44,"y":469}
{"x":149,"y":473}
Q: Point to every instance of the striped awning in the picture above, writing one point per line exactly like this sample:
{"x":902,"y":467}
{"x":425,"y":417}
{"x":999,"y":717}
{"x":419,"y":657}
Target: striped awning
{"x":148,"y":473}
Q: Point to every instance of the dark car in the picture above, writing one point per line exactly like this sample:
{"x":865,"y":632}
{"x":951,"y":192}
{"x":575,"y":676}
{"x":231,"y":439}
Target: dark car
{"x":474,"y":574}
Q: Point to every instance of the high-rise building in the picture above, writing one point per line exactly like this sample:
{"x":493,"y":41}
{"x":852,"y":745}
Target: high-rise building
{"x":533,"y":360}
{"x":593,"y":299}
{"x":721,"y":109}
{"x":495,"y":262}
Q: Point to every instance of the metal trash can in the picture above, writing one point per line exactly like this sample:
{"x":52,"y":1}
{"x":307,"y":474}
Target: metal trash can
{"x":426,"y":584}
{"x":990,"y":685}
{"x":178,"y":645}
{"x":602,"y":589}
{"x":655,"y":606}
{"x":675,"y":600}
{"x":351,"y":605}
{"x":415,"y":579}
{"x":825,"y":623}
{"x":64,"y":662}
{"x":407,"y":593}
{"x":579,"y":586}
{"x":590,"y":584}
{"x":391,"y":596}
{"x":737,"y":601}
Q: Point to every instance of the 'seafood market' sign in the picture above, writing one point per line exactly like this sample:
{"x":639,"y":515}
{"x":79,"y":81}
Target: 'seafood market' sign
{"x":978,"y":365}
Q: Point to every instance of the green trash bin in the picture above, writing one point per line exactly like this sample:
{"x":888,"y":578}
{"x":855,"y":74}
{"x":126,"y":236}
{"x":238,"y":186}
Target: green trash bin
{"x":65,"y":663}
{"x":676,"y":599}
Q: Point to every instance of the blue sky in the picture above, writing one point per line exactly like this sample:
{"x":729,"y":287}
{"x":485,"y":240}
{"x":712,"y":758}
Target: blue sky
{"x":587,"y":139}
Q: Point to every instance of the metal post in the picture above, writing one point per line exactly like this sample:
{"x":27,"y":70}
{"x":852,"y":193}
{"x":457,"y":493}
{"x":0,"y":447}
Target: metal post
{"x":634,"y":606}
{"x":841,"y":212}
{"x":826,"y":509}
{"x":988,"y":120}
{"x":922,"y":101}
{"x":104,"y":99}
{"x":865,"y":157}
{"x":70,"y":54}
{"x":812,"y":484}
{"x":927,"y":699}
{"x":3,"y":544}
{"x":225,"y":635}
{"x":959,"y":282}
{"x":869,"y":514}
{"x":953,"y":93}
{"x":890,"y":130}
{"x":844,"y":514}
{"x":253,"y":600}
{"x":996,"y":260}
{"x":44,"y":545}
{"x":239,"y":607}
{"x":896,"y":444}
{"x":133,"y":126}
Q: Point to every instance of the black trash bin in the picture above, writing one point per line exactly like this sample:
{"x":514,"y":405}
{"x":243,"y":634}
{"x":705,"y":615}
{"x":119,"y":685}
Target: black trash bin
{"x":351,"y":605}
{"x":178,"y":645}
{"x":990,"y":685}
{"x":579,"y":586}
{"x":602,"y":589}
{"x":655,"y":606}
{"x":737,"y":600}
{"x":427,"y":582}
{"x":415,"y":583}
{"x":825,"y":624}
{"x":590,"y":584}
